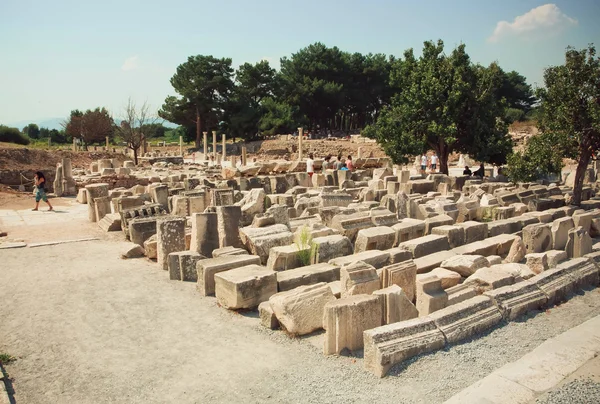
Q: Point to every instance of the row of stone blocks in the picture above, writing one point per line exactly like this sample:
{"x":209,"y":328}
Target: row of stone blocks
{"x":391,"y":344}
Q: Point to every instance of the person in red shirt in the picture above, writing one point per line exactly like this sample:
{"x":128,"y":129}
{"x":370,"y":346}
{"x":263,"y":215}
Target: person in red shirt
{"x":349,"y":164}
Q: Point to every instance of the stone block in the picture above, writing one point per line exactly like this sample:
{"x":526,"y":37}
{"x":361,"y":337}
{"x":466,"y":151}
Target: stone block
{"x":448,"y":278}
{"x":170,"y":237}
{"x":436,"y":221}
{"x":408,"y":229}
{"x":286,"y":257}
{"x":517,"y":251}
{"x":300,"y":310}
{"x":537,"y":238}
{"x":228,"y":226}
{"x":493,"y":277}
{"x":131,"y":250}
{"x":308,"y":275}
{"x":267,"y":316}
{"x":374,"y":238}
{"x":207,"y":269}
{"x":391,"y":344}
{"x":430,"y":295}
{"x":375,"y":258}
{"x":150,"y":247}
{"x":349,"y":224}
{"x":455,"y":234}
{"x":585,"y":271}
{"x":494,"y":259}
{"x":556,"y":283}
{"x":82,"y":196}
{"x":431,"y":261}
{"x":579,"y":243}
{"x":396,"y":306}
{"x":466,"y":319}
{"x":537,"y":262}
{"x":425,"y":245}
{"x":398,"y":255}
{"x":518,"y":299}
{"x":404,"y":275}
{"x":560,"y":232}
{"x":205,"y":236}
{"x":330,"y":247}
{"x":465,"y":265}
{"x":260,"y":240}
{"x":460,"y":293}
{"x":346,"y":319}
{"x":555,"y":257}
{"x":358,"y":278}
{"x":245,"y":287}
{"x":182,"y":265}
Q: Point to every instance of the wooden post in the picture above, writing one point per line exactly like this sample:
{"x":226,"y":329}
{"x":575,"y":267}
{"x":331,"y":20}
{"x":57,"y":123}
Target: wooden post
{"x":300,"y":135}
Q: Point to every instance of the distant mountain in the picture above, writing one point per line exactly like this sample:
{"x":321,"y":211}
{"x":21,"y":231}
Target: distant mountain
{"x":56,"y":123}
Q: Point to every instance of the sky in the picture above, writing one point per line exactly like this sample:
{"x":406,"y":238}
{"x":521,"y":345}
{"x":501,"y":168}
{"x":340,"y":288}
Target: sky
{"x":60,"y":55}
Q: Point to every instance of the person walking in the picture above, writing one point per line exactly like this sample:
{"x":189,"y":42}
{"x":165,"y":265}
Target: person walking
{"x":40,"y":190}
{"x":423,"y":163}
{"x":310,"y":165}
{"x":434,"y":162}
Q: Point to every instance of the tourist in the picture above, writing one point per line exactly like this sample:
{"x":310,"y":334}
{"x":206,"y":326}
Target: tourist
{"x":327,"y":163}
{"x":40,"y":190}
{"x":339,"y":163}
{"x":423,"y":163}
{"x":467,"y":171}
{"x":349,"y":164}
{"x":434,"y":160}
{"x":310,"y":165}
{"x":480,"y":172}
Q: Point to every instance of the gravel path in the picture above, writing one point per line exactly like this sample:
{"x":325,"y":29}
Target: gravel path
{"x":580,"y":391}
{"x":88,"y":327}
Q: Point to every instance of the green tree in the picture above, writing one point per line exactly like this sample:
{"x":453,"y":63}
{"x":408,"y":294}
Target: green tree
{"x":243,"y":110}
{"x":278,"y":118}
{"x":444,"y":103}
{"x":32,"y":131}
{"x":569,"y":116}
{"x":540,"y":158}
{"x":44,"y":133}
{"x":12,"y":135}
{"x":204,"y":84}
{"x":518,"y":95}
{"x":90,"y":126}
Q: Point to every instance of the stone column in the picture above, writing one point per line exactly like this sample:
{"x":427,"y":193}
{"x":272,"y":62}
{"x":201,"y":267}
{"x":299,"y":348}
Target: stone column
{"x":71,"y":187}
{"x":300,"y":136}
{"x":205,"y":150}
{"x":218,"y":159}
{"x":160,"y":195}
{"x":106,"y":143}
{"x":205,"y":237}
{"x":170,"y":237}
{"x":95,"y":191}
{"x":233,"y":158}
{"x":181,"y":146}
{"x":58,"y":181}
{"x":74,"y":144}
{"x":214,"y":144}
{"x":360,"y":152}
{"x":244,"y":156}
{"x":224,"y":147}
{"x":228,"y":226}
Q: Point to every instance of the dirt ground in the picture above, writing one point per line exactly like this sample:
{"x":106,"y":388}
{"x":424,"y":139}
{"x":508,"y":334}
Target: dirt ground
{"x":89,"y":327}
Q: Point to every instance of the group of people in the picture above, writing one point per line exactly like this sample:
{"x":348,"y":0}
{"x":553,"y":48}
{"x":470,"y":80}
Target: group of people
{"x":329,"y":164}
{"x":430,"y":162}
{"x":478,"y":173}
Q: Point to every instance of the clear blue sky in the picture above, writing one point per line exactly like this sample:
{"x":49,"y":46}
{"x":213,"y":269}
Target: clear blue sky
{"x":65,"y":54}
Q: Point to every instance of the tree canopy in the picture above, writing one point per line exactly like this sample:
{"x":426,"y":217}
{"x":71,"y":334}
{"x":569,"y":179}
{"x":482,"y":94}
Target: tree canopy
{"x":445,"y":103}
{"x":569,"y":116}
{"x":90,"y":126}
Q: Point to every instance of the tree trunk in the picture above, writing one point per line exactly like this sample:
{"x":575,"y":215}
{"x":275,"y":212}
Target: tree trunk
{"x":135,"y":156}
{"x":443,"y":152}
{"x":199,"y":138}
{"x":582,"y":165}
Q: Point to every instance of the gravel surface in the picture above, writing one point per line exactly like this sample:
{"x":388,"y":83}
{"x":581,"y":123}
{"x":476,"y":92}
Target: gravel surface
{"x":580,"y":391}
{"x":88,"y":327}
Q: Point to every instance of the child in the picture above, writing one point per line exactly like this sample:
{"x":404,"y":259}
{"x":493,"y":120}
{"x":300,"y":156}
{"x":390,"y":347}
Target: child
{"x":40,"y":190}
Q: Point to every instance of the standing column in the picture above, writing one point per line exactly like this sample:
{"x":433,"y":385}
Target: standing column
{"x":300,"y":135}
{"x":205,"y":151}
{"x":228,"y":226}
{"x":224,"y":148}
{"x":106,"y":143}
{"x":244,"y":155}
{"x":360,"y":152}
{"x":205,"y":235}
{"x":233,"y":158}
{"x":181,"y":146}
{"x":214,"y":145}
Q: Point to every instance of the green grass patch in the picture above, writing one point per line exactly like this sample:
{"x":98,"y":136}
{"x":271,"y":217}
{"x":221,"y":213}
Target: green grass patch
{"x":6,"y":358}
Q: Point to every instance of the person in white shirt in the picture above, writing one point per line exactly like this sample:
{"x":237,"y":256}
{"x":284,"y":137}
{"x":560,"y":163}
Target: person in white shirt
{"x":434,"y":161}
{"x":423,"y":163}
{"x":310,"y":165}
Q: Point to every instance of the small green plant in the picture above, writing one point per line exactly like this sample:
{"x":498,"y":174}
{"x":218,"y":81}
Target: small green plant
{"x":6,"y":358}
{"x":306,"y":246}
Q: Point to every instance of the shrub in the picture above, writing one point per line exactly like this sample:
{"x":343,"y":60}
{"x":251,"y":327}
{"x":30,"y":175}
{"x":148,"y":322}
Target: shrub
{"x":12,"y":135}
{"x":306,"y":247}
